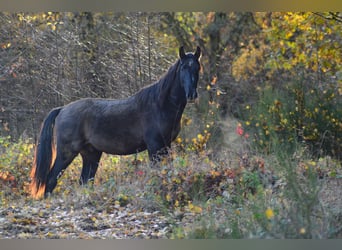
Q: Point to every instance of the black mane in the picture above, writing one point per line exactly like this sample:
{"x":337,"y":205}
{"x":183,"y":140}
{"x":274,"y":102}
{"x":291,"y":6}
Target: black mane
{"x":157,"y":91}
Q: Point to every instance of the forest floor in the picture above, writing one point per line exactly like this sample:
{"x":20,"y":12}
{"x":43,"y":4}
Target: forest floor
{"x":130,"y":201}
{"x":81,"y":218}
{"x":55,"y":220}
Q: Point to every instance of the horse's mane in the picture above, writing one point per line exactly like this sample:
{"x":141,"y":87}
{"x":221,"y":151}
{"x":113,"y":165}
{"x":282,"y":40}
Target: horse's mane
{"x":157,"y":91}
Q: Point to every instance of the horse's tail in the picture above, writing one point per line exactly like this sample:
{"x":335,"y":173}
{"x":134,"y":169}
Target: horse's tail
{"x":44,"y":155}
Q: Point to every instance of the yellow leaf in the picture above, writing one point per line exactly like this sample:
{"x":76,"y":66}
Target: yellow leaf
{"x":49,"y":234}
{"x":168,"y":197}
{"x":288,"y":34}
{"x":197,"y":209}
{"x":269,"y":213}
{"x":194,"y":209}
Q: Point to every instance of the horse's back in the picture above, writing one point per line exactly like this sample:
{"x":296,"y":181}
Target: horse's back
{"x":111,"y":126}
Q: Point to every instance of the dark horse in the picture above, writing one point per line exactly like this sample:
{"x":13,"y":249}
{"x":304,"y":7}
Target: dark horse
{"x":150,"y":120}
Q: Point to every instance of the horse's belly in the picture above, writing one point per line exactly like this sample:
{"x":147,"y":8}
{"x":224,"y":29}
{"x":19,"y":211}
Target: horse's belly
{"x":118,"y":145}
{"x":124,"y":149}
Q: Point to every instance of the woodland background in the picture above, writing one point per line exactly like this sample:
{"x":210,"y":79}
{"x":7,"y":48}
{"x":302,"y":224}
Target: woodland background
{"x":50,"y":59}
{"x":259,"y":154}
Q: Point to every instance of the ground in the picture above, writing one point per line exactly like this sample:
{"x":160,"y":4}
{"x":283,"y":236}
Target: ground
{"x":79,"y":216}
{"x":131,"y":201}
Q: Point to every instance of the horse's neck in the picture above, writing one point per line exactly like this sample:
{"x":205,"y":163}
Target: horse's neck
{"x":176,"y":97}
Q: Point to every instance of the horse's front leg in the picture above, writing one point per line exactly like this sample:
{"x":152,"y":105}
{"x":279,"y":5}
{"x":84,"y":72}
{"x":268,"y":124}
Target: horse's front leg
{"x":157,"y":149}
{"x":156,"y":156}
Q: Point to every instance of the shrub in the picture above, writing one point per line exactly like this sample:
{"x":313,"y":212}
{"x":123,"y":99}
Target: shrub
{"x":15,"y":165}
{"x":298,"y":113}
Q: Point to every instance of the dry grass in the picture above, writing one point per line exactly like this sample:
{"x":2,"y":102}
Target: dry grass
{"x":238,"y":193}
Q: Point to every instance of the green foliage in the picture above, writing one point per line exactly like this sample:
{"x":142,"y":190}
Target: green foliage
{"x":296,"y":211}
{"x":180,"y":182}
{"x":249,"y":182}
{"x":297,"y":113}
{"x":201,"y":132}
{"x":290,"y":209}
{"x":302,"y":193}
{"x":15,"y":165}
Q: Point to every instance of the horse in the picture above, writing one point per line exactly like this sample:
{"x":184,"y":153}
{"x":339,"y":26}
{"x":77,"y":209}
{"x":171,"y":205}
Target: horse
{"x":148,"y":120}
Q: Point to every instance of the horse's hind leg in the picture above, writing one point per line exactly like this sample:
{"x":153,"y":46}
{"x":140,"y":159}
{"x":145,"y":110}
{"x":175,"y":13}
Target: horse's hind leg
{"x":63,"y":159}
{"x":91,"y":158}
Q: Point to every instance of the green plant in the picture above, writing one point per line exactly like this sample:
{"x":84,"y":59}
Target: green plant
{"x":15,"y":165}
{"x":294,"y":211}
{"x":297,"y":113}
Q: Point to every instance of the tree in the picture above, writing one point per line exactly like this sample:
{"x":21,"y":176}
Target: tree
{"x":221,"y":37}
{"x":51,"y":59}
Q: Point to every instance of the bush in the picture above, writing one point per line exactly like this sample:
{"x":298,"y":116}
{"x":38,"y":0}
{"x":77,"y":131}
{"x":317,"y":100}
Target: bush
{"x":298,"y":113}
{"x":15,"y":165}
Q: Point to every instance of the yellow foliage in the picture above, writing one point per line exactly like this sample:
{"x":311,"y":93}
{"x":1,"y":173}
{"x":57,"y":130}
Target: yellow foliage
{"x":269,"y":213}
{"x":194,"y":209}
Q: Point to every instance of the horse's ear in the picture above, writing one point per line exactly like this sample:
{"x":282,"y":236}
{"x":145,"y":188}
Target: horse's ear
{"x":198,"y":52}
{"x":181,"y":52}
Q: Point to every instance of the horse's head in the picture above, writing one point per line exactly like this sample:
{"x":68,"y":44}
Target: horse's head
{"x":189,"y":71}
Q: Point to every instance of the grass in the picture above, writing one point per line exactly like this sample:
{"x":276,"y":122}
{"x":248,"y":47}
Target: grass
{"x":241,"y":193}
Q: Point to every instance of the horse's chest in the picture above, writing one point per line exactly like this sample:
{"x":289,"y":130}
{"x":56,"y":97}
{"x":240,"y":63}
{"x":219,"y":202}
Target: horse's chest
{"x":170,"y":127}
{"x":165,"y":124}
